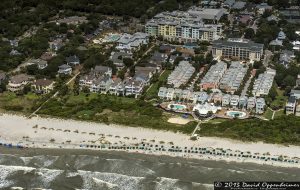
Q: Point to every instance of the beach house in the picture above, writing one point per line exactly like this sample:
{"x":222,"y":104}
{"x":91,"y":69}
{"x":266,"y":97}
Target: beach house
{"x":73,"y":60}
{"x":178,"y":93}
{"x":260,"y":105}
{"x":234,"y":101}
{"x":18,"y":82}
{"x":117,"y":87}
{"x":41,"y":64}
{"x":297,"y":113}
{"x":202,"y":97}
{"x":133,"y":87}
{"x":162,"y":92}
{"x":170,"y":93}
{"x":101,"y":84}
{"x":290,"y":106}
{"x":243,"y":102}
{"x":65,"y":69}
{"x":42,"y":86}
{"x":226,"y":100}
{"x":295,"y":93}
{"x":117,"y":58}
{"x":144,"y":74}
{"x":251,"y":103}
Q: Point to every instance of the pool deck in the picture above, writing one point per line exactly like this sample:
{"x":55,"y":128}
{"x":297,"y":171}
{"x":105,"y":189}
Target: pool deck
{"x":189,"y":110}
{"x":222,"y":113}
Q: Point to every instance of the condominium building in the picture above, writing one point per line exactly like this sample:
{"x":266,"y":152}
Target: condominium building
{"x":181,"y":74}
{"x":212,"y":78}
{"x":237,"y":48}
{"x":263,"y":83}
{"x":233,"y":77}
{"x":186,"y":26}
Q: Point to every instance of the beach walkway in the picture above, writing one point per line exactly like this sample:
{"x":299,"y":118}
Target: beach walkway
{"x":53,"y":96}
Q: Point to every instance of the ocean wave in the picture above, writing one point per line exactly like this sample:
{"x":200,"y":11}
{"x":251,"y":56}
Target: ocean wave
{"x":124,"y":182}
{"x":125,"y":167}
{"x":38,"y":177}
{"x":6,"y":171}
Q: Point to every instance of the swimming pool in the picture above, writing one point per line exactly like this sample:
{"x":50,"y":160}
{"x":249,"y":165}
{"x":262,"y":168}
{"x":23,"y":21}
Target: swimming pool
{"x":237,"y":114}
{"x":178,"y":107}
{"x":113,"y":37}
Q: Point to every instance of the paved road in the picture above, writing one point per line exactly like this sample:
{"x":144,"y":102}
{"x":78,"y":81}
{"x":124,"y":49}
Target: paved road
{"x":24,"y":64}
{"x":254,"y":26}
{"x":244,"y":92}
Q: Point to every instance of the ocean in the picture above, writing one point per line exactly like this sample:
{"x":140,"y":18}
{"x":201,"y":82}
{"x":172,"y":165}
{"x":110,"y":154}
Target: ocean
{"x":108,"y":170}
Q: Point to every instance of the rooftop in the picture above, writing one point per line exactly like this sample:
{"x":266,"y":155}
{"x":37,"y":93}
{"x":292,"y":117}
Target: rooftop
{"x":238,"y":42}
{"x":43,"y":82}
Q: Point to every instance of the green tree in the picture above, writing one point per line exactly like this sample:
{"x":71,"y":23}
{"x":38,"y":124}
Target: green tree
{"x":249,"y":33}
{"x":289,"y":81}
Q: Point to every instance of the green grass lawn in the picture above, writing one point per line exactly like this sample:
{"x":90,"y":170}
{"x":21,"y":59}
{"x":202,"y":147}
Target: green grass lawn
{"x":216,"y":121}
{"x":268,"y":114}
{"x":279,"y":114}
{"x":153,"y":90}
{"x":279,"y":101}
{"x":10,"y":101}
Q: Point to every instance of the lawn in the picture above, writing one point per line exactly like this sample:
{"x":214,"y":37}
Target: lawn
{"x":279,"y":114}
{"x":268,"y":114}
{"x":216,"y":121}
{"x":10,"y":101}
{"x":279,"y":101}
{"x":153,"y":90}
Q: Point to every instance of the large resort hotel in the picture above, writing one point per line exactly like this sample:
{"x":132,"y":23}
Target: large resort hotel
{"x":236,"y":48}
{"x":187,"y":26}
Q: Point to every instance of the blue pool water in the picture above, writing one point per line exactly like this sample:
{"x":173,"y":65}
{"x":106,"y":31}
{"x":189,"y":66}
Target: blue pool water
{"x":235,"y":114}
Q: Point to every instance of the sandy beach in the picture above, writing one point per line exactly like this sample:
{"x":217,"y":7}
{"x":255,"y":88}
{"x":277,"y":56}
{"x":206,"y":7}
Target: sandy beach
{"x":40,"y":132}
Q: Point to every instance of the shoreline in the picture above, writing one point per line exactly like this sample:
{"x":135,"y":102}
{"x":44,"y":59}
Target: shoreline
{"x":49,"y":133}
